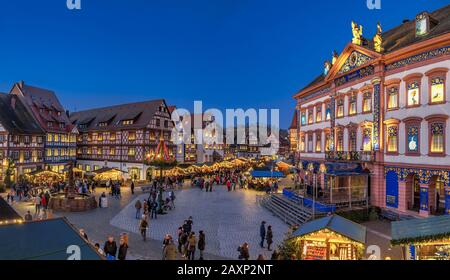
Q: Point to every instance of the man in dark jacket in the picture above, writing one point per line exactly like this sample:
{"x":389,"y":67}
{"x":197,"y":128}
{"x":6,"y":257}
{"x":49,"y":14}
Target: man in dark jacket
{"x":201,"y":243}
{"x":110,"y":247}
{"x":262,"y":233}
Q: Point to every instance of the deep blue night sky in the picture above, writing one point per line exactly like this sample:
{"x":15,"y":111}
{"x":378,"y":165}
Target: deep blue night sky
{"x":228,"y":53}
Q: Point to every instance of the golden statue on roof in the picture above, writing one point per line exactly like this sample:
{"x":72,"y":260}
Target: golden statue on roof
{"x":335,"y":57}
{"x":357,"y":33}
{"x":378,"y":39}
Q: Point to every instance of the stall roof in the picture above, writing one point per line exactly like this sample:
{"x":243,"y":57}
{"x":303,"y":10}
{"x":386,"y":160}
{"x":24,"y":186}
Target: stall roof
{"x":107,"y":169}
{"x":43,"y":240}
{"x":266,"y":174}
{"x":417,"y":230}
{"x":7,"y":213}
{"x":335,"y":223}
{"x":344,"y":169}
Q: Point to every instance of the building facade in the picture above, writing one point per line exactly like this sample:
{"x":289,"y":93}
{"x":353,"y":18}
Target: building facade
{"x":382,"y":106}
{"x":47,"y":111}
{"x":21,"y":138}
{"x":123,"y":137}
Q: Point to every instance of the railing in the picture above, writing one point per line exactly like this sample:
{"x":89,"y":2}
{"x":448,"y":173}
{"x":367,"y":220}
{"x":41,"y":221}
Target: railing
{"x":351,"y":156}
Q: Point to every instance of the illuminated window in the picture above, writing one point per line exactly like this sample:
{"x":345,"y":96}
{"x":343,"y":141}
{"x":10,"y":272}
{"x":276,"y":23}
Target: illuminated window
{"x":310,"y":116}
{"x":413,"y":138}
{"x":112,"y":151}
{"x":319,"y":113}
{"x":367,"y":139}
{"x":392,"y":98}
{"x":100,"y":137}
{"x":367,"y":102}
{"x":132,"y":136}
{"x":340,"y":108}
{"x":112,"y":137}
{"x":413,"y":95}
{"x":437,"y":137}
{"x":352,"y":110}
{"x":49,"y":137}
{"x":392,"y":137}
{"x":318,"y":142}
{"x":310,"y":143}
{"x":327,"y":142}
{"x":302,"y":143}
{"x":131,"y":151}
{"x":437,"y":90}
{"x":352,"y":140}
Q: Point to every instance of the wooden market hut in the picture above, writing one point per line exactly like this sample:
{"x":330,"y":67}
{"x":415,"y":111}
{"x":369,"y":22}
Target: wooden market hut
{"x":423,"y":239}
{"x":330,"y":238}
{"x":44,"y":176}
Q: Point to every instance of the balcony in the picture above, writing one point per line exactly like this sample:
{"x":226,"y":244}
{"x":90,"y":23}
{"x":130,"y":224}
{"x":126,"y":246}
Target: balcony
{"x":362,"y":156}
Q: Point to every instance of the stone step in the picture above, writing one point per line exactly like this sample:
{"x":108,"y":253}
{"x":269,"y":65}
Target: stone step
{"x":289,"y":211}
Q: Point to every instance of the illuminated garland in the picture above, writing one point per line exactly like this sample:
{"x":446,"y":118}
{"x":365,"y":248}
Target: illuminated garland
{"x":421,"y":239}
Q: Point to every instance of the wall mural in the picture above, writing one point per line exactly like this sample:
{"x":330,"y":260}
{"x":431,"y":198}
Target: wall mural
{"x":355,"y":60}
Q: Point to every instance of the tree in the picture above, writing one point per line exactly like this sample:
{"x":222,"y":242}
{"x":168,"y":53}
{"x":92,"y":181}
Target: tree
{"x":289,"y":248}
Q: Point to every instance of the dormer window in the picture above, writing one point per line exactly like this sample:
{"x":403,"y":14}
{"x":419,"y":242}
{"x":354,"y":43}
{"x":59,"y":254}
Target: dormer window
{"x":49,"y":124}
{"x":127,"y":122}
{"x":58,"y":113}
{"x":102,"y":124}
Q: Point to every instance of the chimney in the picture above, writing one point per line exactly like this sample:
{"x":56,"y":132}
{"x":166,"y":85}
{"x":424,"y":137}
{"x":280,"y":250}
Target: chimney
{"x":405,"y":21}
{"x":68,"y":113}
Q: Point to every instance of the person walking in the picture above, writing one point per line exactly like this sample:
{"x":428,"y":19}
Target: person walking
{"x":262,"y":233}
{"x":269,"y":237}
{"x":153,"y":207}
{"x":201,"y":243}
{"x":110,"y":248}
{"x":192,"y":244}
{"x":170,"y":251}
{"x":244,"y":253}
{"x":172,"y":199}
{"x":28,"y":217}
{"x":132,"y":187}
{"x":123,"y":248}
{"x":138,"y":206}
{"x":143,"y":227}
{"x":37,"y":205}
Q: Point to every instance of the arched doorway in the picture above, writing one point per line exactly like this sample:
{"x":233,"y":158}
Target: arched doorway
{"x":436,"y":191}
{"x":413,"y":192}
{"x":392,"y":189}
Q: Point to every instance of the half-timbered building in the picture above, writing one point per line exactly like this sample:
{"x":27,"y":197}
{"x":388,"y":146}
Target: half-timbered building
{"x":21,"y":138}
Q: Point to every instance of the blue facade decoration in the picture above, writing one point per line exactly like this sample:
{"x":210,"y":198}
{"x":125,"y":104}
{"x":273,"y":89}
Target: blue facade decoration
{"x":424,"y":175}
{"x":332,"y":123}
{"x":413,"y":138}
{"x":424,"y":199}
{"x":354,"y":76}
{"x":392,"y":189}
{"x":376,"y":114}
{"x":412,"y":252}
{"x":418,"y":58}
{"x":355,"y":60}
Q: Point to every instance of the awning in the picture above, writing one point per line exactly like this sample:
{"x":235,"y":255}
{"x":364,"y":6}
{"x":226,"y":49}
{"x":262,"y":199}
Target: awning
{"x":337,"y":224}
{"x":344,"y":169}
{"x":266,"y":174}
{"x":420,"y":230}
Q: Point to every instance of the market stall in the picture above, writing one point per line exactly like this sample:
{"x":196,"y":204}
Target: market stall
{"x":44,"y":177}
{"x":423,"y":239}
{"x":330,"y":238}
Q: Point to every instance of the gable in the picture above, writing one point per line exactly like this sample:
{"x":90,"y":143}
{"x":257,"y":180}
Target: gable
{"x":2,"y":129}
{"x":354,"y":60}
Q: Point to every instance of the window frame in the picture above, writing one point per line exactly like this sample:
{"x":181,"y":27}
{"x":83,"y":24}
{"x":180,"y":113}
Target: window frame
{"x":433,"y":119}
{"x":392,"y":123}
{"x":352,"y":99}
{"x":318,"y":110}
{"x":365,"y":93}
{"x":340,"y":102}
{"x":318,"y":139}
{"x":413,"y":122}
